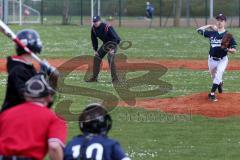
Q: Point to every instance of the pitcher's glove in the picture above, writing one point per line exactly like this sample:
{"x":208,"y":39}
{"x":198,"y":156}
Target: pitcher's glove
{"x":226,"y":41}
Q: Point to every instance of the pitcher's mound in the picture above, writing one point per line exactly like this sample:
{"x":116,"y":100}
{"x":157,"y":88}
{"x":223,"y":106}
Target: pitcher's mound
{"x":228,"y":104}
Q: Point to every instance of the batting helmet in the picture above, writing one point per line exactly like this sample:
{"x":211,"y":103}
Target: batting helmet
{"x":95,"y":119}
{"x":31,"y":39}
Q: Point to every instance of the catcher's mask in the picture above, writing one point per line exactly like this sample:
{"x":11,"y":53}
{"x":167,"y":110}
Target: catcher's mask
{"x":37,"y":87}
{"x":31,"y":39}
{"x":95,"y":119}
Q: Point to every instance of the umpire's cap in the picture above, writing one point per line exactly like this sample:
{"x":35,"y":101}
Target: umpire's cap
{"x":37,"y":87}
{"x":96,"y":19}
{"x":221,"y":17}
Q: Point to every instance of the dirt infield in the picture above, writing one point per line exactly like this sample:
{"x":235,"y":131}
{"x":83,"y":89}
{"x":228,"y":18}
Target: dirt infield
{"x":197,"y":104}
{"x":170,"y":64}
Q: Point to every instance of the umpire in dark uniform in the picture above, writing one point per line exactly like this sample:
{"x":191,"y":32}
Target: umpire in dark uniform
{"x":110,"y":40}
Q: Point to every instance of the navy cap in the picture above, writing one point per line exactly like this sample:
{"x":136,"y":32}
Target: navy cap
{"x":96,"y":19}
{"x":221,"y":17}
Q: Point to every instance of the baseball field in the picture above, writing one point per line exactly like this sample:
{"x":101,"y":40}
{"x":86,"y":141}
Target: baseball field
{"x":168,"y":116}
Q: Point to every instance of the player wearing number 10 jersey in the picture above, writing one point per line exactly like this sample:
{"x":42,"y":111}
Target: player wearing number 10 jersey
{"x":94,"y":144}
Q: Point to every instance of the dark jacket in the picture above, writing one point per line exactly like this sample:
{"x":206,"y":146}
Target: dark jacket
{"x":19,"y":71}
{"x":104,"y":32}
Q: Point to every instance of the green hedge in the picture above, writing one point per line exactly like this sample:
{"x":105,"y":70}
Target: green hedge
{"x":137,"y":7}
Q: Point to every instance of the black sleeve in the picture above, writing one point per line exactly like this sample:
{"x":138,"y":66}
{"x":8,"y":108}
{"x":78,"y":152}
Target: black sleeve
{"x":20,"y":77}
{"x":200,"y":31}
{"x":94,"y":40}
{"x":114,"y":35}
{"x":205,"y":33}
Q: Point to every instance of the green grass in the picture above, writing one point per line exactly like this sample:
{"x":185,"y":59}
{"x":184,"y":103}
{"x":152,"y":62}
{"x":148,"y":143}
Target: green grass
{"x":165,"y":43}
{"x":156,"y":135}
{"x":76,"y":20}
{"x":151,"y":135}
{"x":184,"y":82}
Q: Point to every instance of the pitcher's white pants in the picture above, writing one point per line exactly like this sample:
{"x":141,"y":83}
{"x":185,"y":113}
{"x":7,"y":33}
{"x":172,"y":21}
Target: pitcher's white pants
{"x":217,"y":69}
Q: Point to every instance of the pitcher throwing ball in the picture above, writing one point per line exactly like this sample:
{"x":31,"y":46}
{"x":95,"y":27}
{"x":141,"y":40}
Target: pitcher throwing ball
{"x":221,"y":43}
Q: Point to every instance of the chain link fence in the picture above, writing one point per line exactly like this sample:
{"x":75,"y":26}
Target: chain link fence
{"x":132,"y":13}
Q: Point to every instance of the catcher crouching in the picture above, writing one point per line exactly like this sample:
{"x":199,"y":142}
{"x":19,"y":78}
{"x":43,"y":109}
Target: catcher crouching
{"x":221,"y":43}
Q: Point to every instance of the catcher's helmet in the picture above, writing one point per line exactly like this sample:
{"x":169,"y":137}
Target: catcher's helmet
{"x":95,"y":119}
{"x":31,"y":39}
{"x":37,"y":87}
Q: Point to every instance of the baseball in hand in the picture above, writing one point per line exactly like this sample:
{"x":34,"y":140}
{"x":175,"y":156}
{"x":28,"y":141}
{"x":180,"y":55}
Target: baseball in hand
{"x":214,"y":27}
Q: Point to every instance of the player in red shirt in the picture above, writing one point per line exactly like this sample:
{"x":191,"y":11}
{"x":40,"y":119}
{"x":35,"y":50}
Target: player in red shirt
{"x":31,"y":129}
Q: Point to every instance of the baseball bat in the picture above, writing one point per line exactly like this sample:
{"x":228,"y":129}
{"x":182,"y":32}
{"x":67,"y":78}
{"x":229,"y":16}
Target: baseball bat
{"x":10,"y":34}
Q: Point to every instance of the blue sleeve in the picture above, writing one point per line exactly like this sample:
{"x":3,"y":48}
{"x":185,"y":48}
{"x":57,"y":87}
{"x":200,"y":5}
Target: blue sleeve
{"x":118,"y":153}
{"x":233,"y":43}
{"x":151,"y":8}
{"x":68,"y":152}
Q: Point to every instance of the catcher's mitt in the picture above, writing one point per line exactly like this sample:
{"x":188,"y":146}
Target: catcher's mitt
{"x":226,"y":40}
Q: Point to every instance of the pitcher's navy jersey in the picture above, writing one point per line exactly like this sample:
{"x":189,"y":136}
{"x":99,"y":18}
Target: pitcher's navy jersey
{"x":94,"y":147}
{"x":215,"y":40}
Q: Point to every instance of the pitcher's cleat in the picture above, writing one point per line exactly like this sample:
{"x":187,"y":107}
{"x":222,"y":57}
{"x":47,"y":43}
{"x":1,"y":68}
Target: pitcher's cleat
{"x":212,"y":97}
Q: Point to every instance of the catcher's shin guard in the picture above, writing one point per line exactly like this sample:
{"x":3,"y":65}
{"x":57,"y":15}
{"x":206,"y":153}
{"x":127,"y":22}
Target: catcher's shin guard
{"x":113,"y":68}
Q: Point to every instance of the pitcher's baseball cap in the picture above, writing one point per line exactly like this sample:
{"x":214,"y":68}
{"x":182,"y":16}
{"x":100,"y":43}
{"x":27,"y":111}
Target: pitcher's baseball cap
{"x":221,"y":17}
{"x":96,"y":19}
